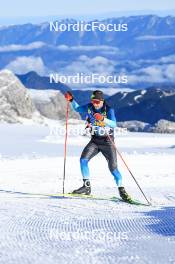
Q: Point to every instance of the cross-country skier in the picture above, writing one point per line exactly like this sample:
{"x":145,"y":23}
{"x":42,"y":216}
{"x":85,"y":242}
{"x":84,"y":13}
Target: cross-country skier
{"x":102,"y":120}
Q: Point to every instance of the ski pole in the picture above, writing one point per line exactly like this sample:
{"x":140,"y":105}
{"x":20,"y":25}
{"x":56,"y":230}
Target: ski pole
{"x":129,"y":170}
{"x":65,"y":145}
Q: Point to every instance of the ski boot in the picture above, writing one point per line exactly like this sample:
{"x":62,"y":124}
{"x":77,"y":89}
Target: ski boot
{"x":85,"y":189}
{"x":124,"y":195}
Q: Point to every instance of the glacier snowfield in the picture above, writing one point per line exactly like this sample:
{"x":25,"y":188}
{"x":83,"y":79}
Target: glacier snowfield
{"x":39,"y":228}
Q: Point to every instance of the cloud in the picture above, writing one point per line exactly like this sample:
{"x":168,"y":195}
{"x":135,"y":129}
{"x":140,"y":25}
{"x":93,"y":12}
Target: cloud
{"x":161,"y":70}
{"x":31,"y":46}
{"x":104,"y":50}
{"x":170,"y":72}
{"x":167,"y":59}
{"x":161,"y":60}
{"x":87,"y":65}
{"x":153,"y":74}
{"x":152,"y":37}
{"x":87,"y":48}
{"x":25,"y":64}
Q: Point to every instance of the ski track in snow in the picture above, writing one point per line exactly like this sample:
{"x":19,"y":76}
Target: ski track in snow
{"x":36,"y":228}
{"x":52,"y":230}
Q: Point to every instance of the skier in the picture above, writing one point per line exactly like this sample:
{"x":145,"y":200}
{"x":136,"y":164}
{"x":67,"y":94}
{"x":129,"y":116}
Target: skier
{"x":102,"y":120}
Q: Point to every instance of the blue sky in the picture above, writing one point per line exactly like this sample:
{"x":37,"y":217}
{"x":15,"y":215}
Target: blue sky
{"x":22,"y":8}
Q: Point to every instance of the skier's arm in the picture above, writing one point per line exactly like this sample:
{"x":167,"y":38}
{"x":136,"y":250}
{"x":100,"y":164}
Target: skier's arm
{"x":80,"y":109}
{"x":111,"y":120}
{"x":75,"y":106}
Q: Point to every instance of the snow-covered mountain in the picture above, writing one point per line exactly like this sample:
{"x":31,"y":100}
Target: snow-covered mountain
{"x":18,"y":104}
{"x":144,"y":30}
{"x":145,"y":105}
{"x":15,"y":101}
{"x":51,"y":104}
{"x":162,"y":126}
{"x":35,"y":81}
{"x":145,"y":52}
{"x":148,"y":105}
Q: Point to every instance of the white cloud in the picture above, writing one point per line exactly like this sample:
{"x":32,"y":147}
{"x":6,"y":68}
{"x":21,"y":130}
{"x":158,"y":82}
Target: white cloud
{"x":152,"y":37}
{"x":154,"y":74}
{"x":87,"y":65}
{"x":25,"y":64}
{"x":104,"y":50}
{"x":170,"y":72}
{"x":87,"y":48}
{"x":167,"y":59}
{"x":31,"y":46}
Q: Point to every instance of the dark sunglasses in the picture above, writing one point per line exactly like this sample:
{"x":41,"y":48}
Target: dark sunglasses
{"x":95,"y":101}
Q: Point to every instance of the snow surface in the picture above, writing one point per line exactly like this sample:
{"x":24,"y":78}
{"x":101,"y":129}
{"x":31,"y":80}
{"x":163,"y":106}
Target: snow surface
{"x":140,"y":96}
{"x":36,"y":228}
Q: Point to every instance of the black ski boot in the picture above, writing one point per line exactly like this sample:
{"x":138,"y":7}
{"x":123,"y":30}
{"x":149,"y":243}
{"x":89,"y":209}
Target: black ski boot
{"x":85,"y":189}
{"x":124,"y":195}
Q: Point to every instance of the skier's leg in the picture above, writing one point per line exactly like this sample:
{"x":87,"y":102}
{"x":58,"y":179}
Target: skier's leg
{"x":88,"y":153}
{"x":84,"y":168}
{"x":110,"y":154}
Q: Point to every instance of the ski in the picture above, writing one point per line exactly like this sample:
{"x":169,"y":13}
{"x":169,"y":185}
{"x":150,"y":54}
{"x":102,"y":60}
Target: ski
{"x":78,"y":196}
{"x":133,"y":201}
{"x":94,"y":197}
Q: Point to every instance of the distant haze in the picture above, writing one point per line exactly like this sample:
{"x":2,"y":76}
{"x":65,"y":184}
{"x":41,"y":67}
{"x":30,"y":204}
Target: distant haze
{"x":40,"y":19}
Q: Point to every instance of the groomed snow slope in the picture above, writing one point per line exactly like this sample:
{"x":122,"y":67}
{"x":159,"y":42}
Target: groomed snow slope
{"x":36,"y":228}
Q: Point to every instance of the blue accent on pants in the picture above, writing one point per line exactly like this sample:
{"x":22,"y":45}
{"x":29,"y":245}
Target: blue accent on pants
{"x":118,"y":177}
{"x":86,"y":175}
{"x":84,"y":168}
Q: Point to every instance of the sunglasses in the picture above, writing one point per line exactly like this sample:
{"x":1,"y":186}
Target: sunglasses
{"x":95,"y":101}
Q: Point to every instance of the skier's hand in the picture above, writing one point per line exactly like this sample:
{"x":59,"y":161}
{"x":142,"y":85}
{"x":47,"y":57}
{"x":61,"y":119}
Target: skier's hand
{"x":69,"y":97}
{"x":99,"y":117}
